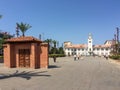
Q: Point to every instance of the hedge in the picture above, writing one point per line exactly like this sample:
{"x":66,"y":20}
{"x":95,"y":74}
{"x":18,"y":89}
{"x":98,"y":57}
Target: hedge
{"x":115,"y":57}
{"x":56,"y":55}
{"x":1,"y":56}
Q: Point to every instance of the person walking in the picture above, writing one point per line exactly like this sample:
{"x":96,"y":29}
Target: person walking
{"x":106,"y":56}
{"x":75,"y":57}
{"x":78,"y":56}
{"x":54,"y":58}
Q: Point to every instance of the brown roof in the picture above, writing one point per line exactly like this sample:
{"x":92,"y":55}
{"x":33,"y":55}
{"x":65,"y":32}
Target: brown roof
{"x":24,"y":39}
{"x":85,"y":46}
{"x":102,"y":46}
{"x":77,"y":46}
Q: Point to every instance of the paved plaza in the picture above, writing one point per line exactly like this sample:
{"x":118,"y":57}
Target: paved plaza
{"x":90,"y":73}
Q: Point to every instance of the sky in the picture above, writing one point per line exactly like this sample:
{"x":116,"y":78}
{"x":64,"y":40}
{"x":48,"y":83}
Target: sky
{"x":63,"y":20}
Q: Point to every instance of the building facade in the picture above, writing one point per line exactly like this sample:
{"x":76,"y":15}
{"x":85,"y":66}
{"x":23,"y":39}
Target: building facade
{"x":88,"y":49}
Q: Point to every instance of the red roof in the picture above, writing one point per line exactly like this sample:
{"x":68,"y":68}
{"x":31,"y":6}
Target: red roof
{"x":102,"y":46}
{"x":77,"y":46}
{"x":23,"y":39}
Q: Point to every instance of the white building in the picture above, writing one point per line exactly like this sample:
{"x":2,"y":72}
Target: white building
{"x":88,"y":49}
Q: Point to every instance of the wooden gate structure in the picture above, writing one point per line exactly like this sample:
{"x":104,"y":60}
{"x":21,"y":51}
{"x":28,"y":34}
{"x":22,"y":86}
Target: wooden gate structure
{"x":24,"y":57}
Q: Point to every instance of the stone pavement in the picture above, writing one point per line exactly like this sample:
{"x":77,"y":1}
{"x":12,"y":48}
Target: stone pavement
{"x":90,"y":73}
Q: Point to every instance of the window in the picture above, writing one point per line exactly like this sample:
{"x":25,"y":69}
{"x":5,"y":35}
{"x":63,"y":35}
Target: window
{"x":98,"y":49}
{"x":74,"y":49}
{"x":102,"y":48}
{"x":68,"y":53}
{"x":106,"y":49}
{"x":90,"y":49}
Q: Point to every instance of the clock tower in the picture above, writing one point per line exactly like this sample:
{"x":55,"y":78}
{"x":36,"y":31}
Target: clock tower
{"x":90,"y":44}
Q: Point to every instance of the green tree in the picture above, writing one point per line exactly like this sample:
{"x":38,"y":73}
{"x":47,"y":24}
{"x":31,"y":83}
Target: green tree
{"x":23,"y":27}
{"x":61,"y":51}
{"x":3,"y":37}
{"x":54,"y":51}
{"x":49,"y":41}
{"x":54,"y":46}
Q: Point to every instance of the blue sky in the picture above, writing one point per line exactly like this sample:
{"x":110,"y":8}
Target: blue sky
{"x":63,"y":20}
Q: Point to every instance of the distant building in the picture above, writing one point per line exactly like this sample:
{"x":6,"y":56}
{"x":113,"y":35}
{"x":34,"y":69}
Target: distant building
{"x":88,"y":49}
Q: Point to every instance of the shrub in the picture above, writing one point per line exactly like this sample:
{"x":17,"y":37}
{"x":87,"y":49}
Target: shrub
{"x":115,"y":57}
{"x":56,"y":55}
{"x":1,"y":57}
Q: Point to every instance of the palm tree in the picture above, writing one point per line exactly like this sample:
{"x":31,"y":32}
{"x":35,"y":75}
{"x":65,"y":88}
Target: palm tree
{"x":23,"y":27}
{"x":54,"y":43}
{"x":54,"y":46}
{"x":49,"y":41}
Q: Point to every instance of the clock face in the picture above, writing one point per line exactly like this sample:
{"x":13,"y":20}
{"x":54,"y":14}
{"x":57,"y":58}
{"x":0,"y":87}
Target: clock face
{"x":89,"y":41}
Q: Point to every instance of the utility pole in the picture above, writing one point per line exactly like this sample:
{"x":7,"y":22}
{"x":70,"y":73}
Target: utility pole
{"x":117,"y":40}
{"x":115,"y":44}
{"x":17,"y":31}
{"x":117,"y":34}
{"x":40,"y":36}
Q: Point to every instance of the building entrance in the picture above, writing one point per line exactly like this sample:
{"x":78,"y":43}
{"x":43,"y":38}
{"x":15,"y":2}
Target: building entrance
{"x":24,"y":57}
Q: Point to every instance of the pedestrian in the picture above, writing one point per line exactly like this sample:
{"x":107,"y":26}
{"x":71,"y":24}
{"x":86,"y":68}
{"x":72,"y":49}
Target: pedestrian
{"x":78,"y":56}
{"x":54,"y":58}
{"x":74,"y":57}
{"x":106,"y":56}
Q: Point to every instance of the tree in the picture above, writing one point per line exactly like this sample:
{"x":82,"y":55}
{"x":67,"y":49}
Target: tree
{"x":23,"y":27}
{"x":49,"y":41}
{"x":54,"y":51}
{"x":61,"y":50}
{"x":54,"y":46}
{"x":3,"y":37}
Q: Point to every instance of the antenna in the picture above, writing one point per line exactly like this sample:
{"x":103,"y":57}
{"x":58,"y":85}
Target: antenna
{"x":40,"y":36}
{"x":17,"y":31}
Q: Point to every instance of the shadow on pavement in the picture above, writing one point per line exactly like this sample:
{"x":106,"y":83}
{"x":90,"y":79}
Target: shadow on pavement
{"x":53,"y":66}
{"x":24,"y":74}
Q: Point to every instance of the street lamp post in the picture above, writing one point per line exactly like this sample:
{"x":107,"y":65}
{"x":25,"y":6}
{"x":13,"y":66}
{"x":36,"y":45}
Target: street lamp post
{"x":118,"y":40}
